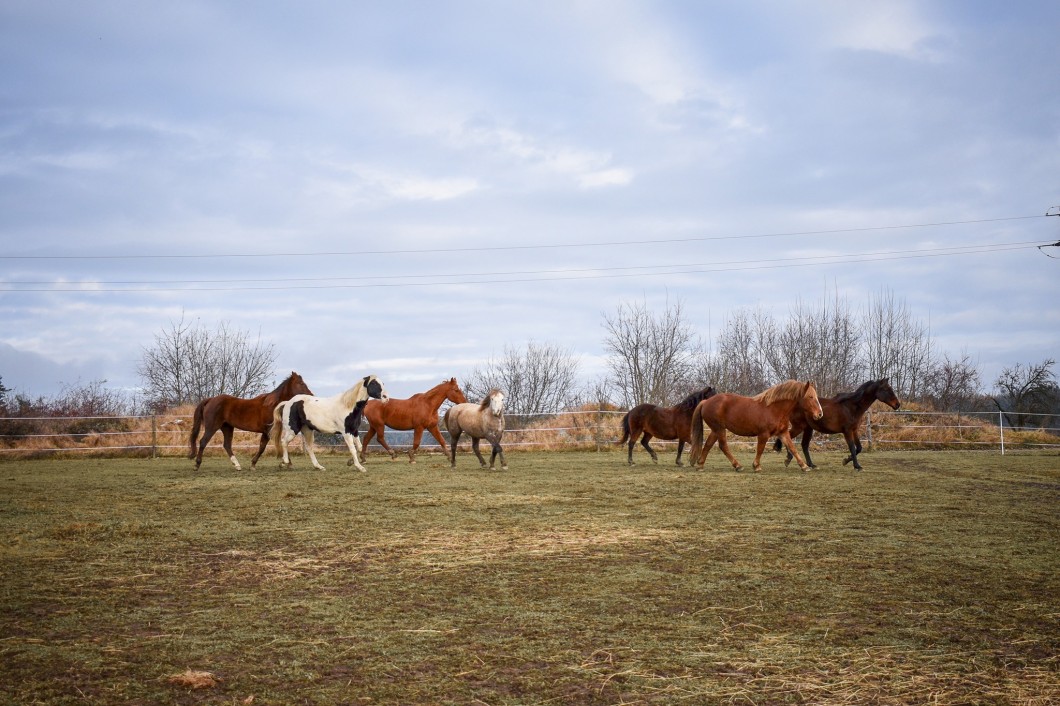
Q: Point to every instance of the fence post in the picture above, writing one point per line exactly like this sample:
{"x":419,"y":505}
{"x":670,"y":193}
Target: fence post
{"x":1001,"y":426}
{"x":154,"y":437}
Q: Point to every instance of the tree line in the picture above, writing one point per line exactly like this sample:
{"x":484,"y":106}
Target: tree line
{"x":654,"y":356}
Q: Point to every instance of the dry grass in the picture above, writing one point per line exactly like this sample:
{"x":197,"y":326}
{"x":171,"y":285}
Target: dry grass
{"x":572,"y":578}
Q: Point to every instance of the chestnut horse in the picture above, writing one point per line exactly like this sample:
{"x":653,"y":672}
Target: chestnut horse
{"x":765,"y":415}
{"x":418,"y":412}
{"x":666,"y":423}
{"x":842,"y":415}
{"x":229,"y":413}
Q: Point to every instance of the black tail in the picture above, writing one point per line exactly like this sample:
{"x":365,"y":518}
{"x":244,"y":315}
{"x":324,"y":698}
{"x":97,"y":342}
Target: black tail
{"x":778,"y":444}
{"x":625,"y":430}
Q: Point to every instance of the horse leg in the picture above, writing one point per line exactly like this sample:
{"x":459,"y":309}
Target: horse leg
{"x":285,"y":439}
{"x":632,"y":443}
{"x":644,"y":442}
{"x":785,"y":438}
{"x":680,"y":448}
{"x":207,"y":433}
{"x":307,"y":444}
{"x":806,"y":436}
{"x":226,"y":434}
{"x":351,"y":444}
{"x":382,"y":440}
{"x":416,"y":436}
{"x":474,"y":447}
{"x":757,"y":464}
{"x":854,"y":444}
{"x":497,"y":450}
{"x":261,"y":449}
{"x":438,"y":437}
{"x":454,"y":437}
{"x":723,"y":444}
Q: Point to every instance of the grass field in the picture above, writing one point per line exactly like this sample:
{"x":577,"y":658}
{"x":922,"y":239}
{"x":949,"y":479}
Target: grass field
{"x":570,"y":579}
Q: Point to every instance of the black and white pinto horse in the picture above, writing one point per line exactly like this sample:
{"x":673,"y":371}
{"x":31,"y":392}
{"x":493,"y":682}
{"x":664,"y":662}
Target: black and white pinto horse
{"x":306,"y":414}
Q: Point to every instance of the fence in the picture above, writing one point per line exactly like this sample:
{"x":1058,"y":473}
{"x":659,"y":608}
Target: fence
{"x":168,"y":435}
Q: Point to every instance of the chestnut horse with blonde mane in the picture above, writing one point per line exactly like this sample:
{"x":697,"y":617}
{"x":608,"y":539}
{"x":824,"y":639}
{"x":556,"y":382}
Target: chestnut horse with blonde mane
{"x":765,"y":415}
{"x":665,"y":423}
{"x":229,"y":413}
{"x":418,"y":412}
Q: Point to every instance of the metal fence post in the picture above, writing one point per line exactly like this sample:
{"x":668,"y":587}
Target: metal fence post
{"x":1001,"y":427}
{"x":154,"y":437}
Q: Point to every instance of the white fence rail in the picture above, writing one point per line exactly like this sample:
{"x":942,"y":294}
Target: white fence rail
{"x":168,"y":435}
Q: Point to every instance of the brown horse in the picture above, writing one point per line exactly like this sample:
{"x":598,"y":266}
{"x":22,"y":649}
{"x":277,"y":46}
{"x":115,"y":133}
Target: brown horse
{"x":418,"y":412}
{"x":842,"y":415}
{"x":662,"y":423}
{"x":229,"y":413}
{"x":765,"y":415}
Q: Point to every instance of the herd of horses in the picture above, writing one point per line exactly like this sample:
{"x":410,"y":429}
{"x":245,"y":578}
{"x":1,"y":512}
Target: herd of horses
{"x":782,"y":412}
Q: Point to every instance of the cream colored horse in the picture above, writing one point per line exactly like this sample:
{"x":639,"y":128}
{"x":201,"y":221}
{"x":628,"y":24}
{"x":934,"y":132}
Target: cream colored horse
{"x":479,"y":421}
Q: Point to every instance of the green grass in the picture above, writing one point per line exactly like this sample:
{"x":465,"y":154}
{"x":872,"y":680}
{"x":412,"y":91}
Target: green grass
{"x":570,"y":579}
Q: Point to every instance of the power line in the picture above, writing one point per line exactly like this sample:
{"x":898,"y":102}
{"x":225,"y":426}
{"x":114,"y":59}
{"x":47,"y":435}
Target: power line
{"x":559,"y":275}
{"x":496,"y":248}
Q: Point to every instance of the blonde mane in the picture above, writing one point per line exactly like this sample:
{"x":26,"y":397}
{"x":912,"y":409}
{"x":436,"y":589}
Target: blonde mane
{"x":355,"y":394}
{"x":788,"y":390}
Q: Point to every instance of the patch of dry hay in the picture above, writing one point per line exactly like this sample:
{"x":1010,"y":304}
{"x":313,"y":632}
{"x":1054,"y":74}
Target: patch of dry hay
{"x":193,"y":679}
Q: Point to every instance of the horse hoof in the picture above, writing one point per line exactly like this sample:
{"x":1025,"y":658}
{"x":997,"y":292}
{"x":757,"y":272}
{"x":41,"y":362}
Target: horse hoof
{"x":504,"y":468}
{"x":680,"y":464}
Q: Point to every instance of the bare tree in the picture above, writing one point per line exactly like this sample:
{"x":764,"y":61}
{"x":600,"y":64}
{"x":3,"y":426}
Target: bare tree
{"x":896,"y":345}
{"x":651,"y":357}
{"x":739,"y":364}
{"x":540,"y":379}
{"x":189,"y":363}
{"x":953,"y":384}
{"x":816,"y":343}
{"x":1025,"y":393}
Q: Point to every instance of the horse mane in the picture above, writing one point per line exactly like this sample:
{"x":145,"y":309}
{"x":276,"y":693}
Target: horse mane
{"x":695,"y":398}
{"x":485,"y":404}
{"x":787,"y":390}
{"x":856,"y":394}
{"x":352,"y":396}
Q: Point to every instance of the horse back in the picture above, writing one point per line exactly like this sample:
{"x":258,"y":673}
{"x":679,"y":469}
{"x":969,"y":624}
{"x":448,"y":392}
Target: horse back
{"x":743,"y":416}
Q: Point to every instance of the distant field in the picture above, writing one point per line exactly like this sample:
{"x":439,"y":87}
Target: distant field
{"x":570,"y":579}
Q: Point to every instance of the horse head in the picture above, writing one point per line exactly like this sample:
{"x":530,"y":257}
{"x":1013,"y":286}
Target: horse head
{"x":885,"y":393}
{"x":496,"y":402}
{"x":375,"y":388}
{"x":810,"y":403}
{"x":296,"y":385}
{"x":453,"y":393}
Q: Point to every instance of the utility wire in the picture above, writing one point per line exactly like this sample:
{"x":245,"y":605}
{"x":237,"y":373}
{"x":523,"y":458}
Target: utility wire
{"x":568,"y":275}
{"x":496,"y":248}
{"x":888,"y":254}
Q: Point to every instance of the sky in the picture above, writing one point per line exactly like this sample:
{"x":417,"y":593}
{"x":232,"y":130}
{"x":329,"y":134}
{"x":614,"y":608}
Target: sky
{"x":406,"y":188}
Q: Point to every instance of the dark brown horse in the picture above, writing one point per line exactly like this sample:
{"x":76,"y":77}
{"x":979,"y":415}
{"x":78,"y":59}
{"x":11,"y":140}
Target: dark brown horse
{"x":229,"y":413}
{"x":765,"y":415}
{"x":666,"y":423}
{"x":418,"y":412}
{"x":842,"y":415}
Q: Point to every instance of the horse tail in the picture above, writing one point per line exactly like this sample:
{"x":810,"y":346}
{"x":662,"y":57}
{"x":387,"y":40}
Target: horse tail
{"x":625,"y":430}
{"x":778,"y":444}
{"x":276,"y":430}
{"x":445,"y":418}
{"x":697,"y":434}
{"x":196,"y":425}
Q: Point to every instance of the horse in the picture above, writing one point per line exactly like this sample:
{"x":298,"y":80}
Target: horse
{"x":480,"y":421}
{"x":765,"y":415}
{"x":341,"y":414}
{"x":842,"y":415}
{"x":418,"y":412}
{"x":229,"y":413}
{"x":663,"y":423}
